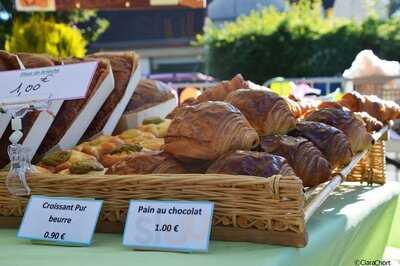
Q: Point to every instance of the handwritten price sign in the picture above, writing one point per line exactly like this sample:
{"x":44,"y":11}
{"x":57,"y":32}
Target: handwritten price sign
{"x":59,"y":83}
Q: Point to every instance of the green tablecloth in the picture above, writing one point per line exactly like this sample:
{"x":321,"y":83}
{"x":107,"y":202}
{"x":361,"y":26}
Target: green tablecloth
{"x":354,"y":223}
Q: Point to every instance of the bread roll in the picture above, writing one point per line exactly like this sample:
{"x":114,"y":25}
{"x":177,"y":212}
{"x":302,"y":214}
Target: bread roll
{"x":207,"y":130}
{"x":148,"y":94}
{"x":267,"y":112}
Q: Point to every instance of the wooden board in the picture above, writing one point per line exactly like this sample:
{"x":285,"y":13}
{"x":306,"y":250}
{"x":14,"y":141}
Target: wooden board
{"x":221,"y":233}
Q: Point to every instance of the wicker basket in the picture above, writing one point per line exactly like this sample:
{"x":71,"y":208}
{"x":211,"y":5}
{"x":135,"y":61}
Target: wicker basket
{"x":253,"y":209}
{"x":371,"y":168}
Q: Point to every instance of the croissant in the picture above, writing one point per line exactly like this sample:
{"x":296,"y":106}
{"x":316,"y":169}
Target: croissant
{"x":250,"y":163}
{"x":373,"y":105}
{"x":331,"y":141}
{"x":222,"y":89}
{"x":147,"y":163}
{"x":372,"y":123}
{"x":174,"y":112}
{"x":207,"y":130}
{"x":267,"y":112}
{"x":307,"y":161}
{"x":331,"y":105}
{"x":354,"y":127}
{"x":294,"y":107}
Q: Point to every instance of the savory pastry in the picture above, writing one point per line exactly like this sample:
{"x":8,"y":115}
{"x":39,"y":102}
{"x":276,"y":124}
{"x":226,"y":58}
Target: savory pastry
{"x":148,"y":94}
{"x":354,"y":127}
{"x":70,"y":161}
{"x":307,"y":161}
{"x":266,"y":111}
{"x":331,"y":141}
{"x":123,"y":65}
{"x":155,"y":125}
{"x":372,"y":123}
{"x":373,"y":105}
{"x":145,"y":139}
{"x":135,"y":135}
{"x":147,"y":163}
{"x":155,"y":144}
{"x":222,"y":89}
{"x":119,"y":154}
{"x":207,"y":130}
{"x":250,"y":163}
{"x":100,"y":146}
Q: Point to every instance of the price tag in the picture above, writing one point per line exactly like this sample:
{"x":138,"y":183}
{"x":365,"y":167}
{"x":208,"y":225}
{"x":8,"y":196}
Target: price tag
{"x":168,"y":225}
{"x":60,"y":82}
{"x":65,"y":221}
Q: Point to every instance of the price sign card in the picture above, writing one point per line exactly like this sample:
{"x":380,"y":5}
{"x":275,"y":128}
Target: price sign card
{"x":168,"y":225}
{"x":64,"y":221}
{"x":63,"y":82}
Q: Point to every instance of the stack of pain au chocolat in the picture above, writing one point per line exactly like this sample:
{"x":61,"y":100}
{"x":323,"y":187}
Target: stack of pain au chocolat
{"x":238,"y":128}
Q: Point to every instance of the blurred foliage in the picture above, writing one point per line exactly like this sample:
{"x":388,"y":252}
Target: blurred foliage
{"x":296,"y":43}
{"x":39,"y":35}
{"x":90,"y":25}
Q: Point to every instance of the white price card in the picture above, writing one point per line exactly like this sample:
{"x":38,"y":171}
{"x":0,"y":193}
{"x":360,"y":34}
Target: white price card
{"x":169,"y":225}
{"x":63,"y":82}
{"x":65,"y":221}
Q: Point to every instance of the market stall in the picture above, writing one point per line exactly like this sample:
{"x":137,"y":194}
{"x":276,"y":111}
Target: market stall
{"x":270,"y":168}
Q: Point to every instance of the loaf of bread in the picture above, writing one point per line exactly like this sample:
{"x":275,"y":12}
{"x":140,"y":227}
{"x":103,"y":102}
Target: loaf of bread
{"x":250,"y":163}
{"x":148,"y":94}
{"x":207,"y":130}
{"x":331,"y":141}
{"x":70,"y":109}
{"x":8,"y":61}
{"x":28,"y":61}
{"x":123,"y":65}
{"x":266,"y":111}
{"x":303,"y":156}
